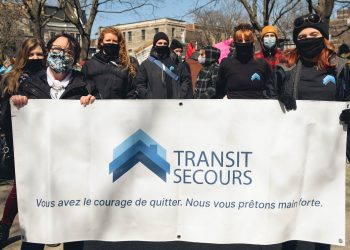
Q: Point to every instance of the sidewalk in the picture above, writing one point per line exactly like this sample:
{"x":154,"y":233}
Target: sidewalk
{"x":5,"y":189}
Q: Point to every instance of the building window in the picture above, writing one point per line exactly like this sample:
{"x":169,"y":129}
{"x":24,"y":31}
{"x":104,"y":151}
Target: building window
{"x":77,"y":36}
{"x":173,"y":32}
{"x":156,"y":30}
{"x":124,"y":35}
{"x":129,"y":36}
{"x":52,"y":34}
{"x":143,"y":35}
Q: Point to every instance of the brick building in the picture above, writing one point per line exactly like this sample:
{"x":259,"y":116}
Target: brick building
{"x":139,"y":35}
{"x":340,"y":25}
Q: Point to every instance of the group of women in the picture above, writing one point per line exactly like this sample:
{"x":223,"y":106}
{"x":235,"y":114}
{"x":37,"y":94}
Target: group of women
{"x":311,"y":71}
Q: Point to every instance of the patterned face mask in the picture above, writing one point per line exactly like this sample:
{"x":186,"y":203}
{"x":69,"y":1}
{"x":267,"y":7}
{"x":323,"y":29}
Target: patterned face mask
{"x":60,"y":62}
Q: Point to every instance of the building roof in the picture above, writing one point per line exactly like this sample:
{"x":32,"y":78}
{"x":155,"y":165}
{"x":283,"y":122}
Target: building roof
{"x":150,"y":20}
{"x":60,"y":16}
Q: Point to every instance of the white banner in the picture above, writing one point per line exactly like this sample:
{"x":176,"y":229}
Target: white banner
{"x":212,"y":171}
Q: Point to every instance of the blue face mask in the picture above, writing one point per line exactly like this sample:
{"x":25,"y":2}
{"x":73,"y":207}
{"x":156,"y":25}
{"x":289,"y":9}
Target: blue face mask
{"x":60,"y":62}
{"x":269,"y":42}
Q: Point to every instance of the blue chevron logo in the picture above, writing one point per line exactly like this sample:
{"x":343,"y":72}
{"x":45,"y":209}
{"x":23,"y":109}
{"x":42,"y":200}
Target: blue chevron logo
{"x":139,"y":147}
{"x":329,"y":79}
{"x":255,"y":76}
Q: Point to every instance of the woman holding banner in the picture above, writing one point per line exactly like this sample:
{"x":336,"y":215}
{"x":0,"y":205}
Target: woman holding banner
{"x":111,"y":69}
{"x":312,"y":72}
{"x":30,"y":60}
{"x":58,"y":81}
{"x":242,"y":76}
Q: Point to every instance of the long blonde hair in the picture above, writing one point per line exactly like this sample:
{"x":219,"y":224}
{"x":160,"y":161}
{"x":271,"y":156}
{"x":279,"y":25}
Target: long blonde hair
{"x":12,"y":78}
{"x":123,"y":53}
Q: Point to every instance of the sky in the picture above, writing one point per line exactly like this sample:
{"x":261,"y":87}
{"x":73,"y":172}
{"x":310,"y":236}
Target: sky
{"x":165,"y":8}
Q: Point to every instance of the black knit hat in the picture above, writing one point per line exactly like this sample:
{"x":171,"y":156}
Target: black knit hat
{"x":320,"y":26}
{"x":159,"y":36}
{"x":176,"y":44}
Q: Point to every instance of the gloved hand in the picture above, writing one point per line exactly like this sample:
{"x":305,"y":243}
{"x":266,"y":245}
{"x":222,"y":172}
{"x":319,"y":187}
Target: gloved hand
{"x":288,"y":101}
{"x":345,"y":116}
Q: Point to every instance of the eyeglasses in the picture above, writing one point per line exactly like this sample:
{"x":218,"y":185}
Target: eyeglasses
{"x":312,"y":18}
{"x":59,"y":49}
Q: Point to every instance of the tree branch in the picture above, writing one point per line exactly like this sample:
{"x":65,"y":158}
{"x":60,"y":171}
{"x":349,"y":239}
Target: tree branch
{"x":197,"y":8}
{"x":126,"y":10}
{"x":252,"y":16}
{"x":47,"y":18}
{"x":342,"y":32}
{"x":285,"y":10}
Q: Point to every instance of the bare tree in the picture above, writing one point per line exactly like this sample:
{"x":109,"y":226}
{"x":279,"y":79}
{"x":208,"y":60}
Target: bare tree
{"x":216,"y":25}
{"x":262,"y":13}
{"x":270,"y":11}
{"x":35,"y":10}
{"x":11,"y":27}
{"x":75,"y":12}
{"x":211,"y":23}
{"x":323,"y":8}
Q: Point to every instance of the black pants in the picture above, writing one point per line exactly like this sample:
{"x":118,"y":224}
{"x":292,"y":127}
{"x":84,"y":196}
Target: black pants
{"x":293,"y":245}
{"x":76,"y":245}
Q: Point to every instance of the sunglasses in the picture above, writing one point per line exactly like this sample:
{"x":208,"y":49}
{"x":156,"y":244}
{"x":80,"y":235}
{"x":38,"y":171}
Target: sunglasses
{"x":312,"y":18}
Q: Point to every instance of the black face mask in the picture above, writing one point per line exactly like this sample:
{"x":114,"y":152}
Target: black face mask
{"x":162,"y":50}
{"x":310,"y":47}
{"x":244,"y":51}
{"x":111,"y":49}
{"x":34,"y":65}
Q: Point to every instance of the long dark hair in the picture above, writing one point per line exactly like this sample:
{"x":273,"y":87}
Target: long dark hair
{"x":12,"y":78}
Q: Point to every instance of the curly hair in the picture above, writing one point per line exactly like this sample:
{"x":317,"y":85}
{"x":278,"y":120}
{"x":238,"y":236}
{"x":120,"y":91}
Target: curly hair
{"x":323,"y":59}
{"x":12,"y":78}
{"x":123,"y":53}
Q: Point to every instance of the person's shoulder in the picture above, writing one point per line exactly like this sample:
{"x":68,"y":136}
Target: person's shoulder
{"x":95,"y":59}
{"x":76,"y":74}
{"x":133,"y":60}
{"x":261,"y":60}
{"x":340,"y":62}
{"x":259,"y":54}
{"x":227,"y":60}
{"x":39,"y":75}
{"x":282,"y":67}
{"x":147,"y":61}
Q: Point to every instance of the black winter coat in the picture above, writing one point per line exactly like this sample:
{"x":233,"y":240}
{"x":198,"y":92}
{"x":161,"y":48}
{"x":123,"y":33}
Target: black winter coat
{"x":8,"y":169}
{"x":37,"y":87}
{"x":110,"y":78}
{"x":152,"y":82}
{"x":287,"y":85}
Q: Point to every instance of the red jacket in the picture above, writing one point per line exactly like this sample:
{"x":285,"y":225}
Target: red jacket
{"x":273,"y":59}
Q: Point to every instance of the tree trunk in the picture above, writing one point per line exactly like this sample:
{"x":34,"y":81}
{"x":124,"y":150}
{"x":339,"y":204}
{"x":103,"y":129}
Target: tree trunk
{"x":37,"y":30}
{"x":85,"y":45}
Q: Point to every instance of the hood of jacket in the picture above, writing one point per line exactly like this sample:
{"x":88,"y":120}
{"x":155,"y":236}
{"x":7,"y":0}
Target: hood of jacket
{"x":212,"y":55}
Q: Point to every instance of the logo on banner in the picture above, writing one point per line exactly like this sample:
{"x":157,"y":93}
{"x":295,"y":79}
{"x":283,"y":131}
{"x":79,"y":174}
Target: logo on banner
{"x":139,"y":147}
